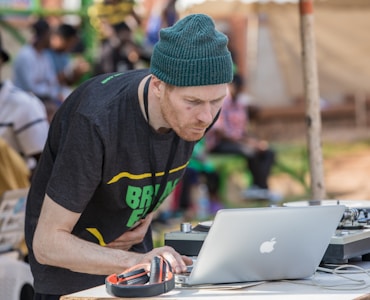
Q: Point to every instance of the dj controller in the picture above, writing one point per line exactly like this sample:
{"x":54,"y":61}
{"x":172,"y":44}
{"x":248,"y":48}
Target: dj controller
{"x":352,"y":237}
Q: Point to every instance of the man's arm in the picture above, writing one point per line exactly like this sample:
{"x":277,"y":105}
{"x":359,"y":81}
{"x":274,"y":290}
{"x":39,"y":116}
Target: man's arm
{"x":133,"y":236}
{"x":53,"y":244}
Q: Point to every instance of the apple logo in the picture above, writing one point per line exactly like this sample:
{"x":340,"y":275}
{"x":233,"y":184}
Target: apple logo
{"x":268,"y":246}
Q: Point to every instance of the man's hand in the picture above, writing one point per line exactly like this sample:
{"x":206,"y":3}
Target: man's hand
{"x":133,"y":236}
{"x":260,"y":145}
{"x":136,"y":235}
{"x":178,"y":262}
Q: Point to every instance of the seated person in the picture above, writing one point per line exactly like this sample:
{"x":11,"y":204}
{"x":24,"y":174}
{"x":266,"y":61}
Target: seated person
{"x":229,"y":135}
{"x":69,"y":65}
{"x":119,"y":52}
{"x":23,"y":119}
{"x":199,"y":174}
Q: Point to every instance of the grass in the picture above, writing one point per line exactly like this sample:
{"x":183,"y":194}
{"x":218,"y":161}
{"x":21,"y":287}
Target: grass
{"x":293,"y":159}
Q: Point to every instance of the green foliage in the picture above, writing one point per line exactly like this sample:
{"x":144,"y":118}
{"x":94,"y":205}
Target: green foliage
{"x":294,"y":161}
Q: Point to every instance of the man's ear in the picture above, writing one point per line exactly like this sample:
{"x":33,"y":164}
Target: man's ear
{"x":157,"y":86}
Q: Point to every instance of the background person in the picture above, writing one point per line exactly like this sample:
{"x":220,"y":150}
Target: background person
{"x":116,"y":149}
{"x":230,"y":135}
{"x":14,"y":173}
{"x":33,"y":71}
{"x":118,"y":50}
{"x":23,"y":119}
{"x":199,"y":174}
{"x":69,"y":70}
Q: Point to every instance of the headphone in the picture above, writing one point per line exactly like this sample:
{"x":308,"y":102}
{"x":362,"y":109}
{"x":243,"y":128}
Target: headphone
{"x":139,"y":282}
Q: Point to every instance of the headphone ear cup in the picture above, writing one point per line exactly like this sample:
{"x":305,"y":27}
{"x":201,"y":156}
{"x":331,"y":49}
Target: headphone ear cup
{"x":138,"y":276}
{"x":158,"y":270}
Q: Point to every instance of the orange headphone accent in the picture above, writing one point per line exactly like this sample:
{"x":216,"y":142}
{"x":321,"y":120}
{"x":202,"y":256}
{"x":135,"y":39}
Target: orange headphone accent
{"x":139,"y":282}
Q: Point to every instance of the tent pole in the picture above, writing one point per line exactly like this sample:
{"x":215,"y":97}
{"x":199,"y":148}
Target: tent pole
{"x":312,"y":98}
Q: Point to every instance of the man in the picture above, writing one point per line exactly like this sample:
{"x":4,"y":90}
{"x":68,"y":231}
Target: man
{"x":33,"y":71}
{"x":69,"y":70}
{"x":116,"y":149}
{"x":229,"y":135}
{"x":23,"y":120}
{"x":118,"y":50}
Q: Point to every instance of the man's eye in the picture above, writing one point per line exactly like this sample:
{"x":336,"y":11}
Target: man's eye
{"x":216,"y":102}
{"x":194,"y":102}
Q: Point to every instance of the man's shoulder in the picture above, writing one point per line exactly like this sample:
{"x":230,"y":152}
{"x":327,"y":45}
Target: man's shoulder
{"x":25,"y":51}
{"x":132,"y":76}
{"x":17,"y":93}
{"x":98,"y":93}
{"x":112,"y":85}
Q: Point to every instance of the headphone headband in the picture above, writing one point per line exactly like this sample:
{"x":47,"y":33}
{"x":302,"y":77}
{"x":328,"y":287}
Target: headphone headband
{"x":135,"y":281}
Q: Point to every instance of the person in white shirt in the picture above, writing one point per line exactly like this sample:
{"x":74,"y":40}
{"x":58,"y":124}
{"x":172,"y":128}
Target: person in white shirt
{"x":23,"y":119}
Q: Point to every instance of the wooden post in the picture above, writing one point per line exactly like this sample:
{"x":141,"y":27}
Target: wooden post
{"x":312,"y":97}
{"x":360,"y":110}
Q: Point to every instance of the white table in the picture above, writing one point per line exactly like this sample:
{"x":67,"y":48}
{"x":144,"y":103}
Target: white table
{"x":300,"y":289}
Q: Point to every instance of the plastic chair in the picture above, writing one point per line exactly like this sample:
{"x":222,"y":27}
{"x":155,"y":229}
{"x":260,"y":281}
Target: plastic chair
{"x":15,"y":278}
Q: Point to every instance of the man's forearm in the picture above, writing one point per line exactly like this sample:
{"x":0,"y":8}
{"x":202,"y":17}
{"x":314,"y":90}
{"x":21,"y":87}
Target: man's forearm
{"x":68,"y":251}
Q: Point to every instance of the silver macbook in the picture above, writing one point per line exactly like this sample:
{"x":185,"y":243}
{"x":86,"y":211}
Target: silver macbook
{"x":260,"y":244}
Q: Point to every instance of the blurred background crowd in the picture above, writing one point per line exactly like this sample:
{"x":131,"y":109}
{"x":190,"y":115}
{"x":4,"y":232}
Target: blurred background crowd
{"x":48,"y":47}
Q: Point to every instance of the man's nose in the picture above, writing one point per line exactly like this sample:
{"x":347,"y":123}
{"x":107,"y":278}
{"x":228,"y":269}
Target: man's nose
{"x":205,"y":115}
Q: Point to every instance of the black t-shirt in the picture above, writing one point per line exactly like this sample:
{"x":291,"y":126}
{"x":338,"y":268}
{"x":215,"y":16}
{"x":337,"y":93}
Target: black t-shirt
{"x":97,"y":161}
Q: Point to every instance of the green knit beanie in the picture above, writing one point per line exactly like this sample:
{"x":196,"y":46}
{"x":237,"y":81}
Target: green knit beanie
{"x":192,"y":53}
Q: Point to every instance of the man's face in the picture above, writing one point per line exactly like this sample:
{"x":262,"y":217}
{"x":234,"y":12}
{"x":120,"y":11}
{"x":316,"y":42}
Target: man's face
{"x":189,"y":111}
{"x":44,"y":39}
{"x":60,"y":44}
